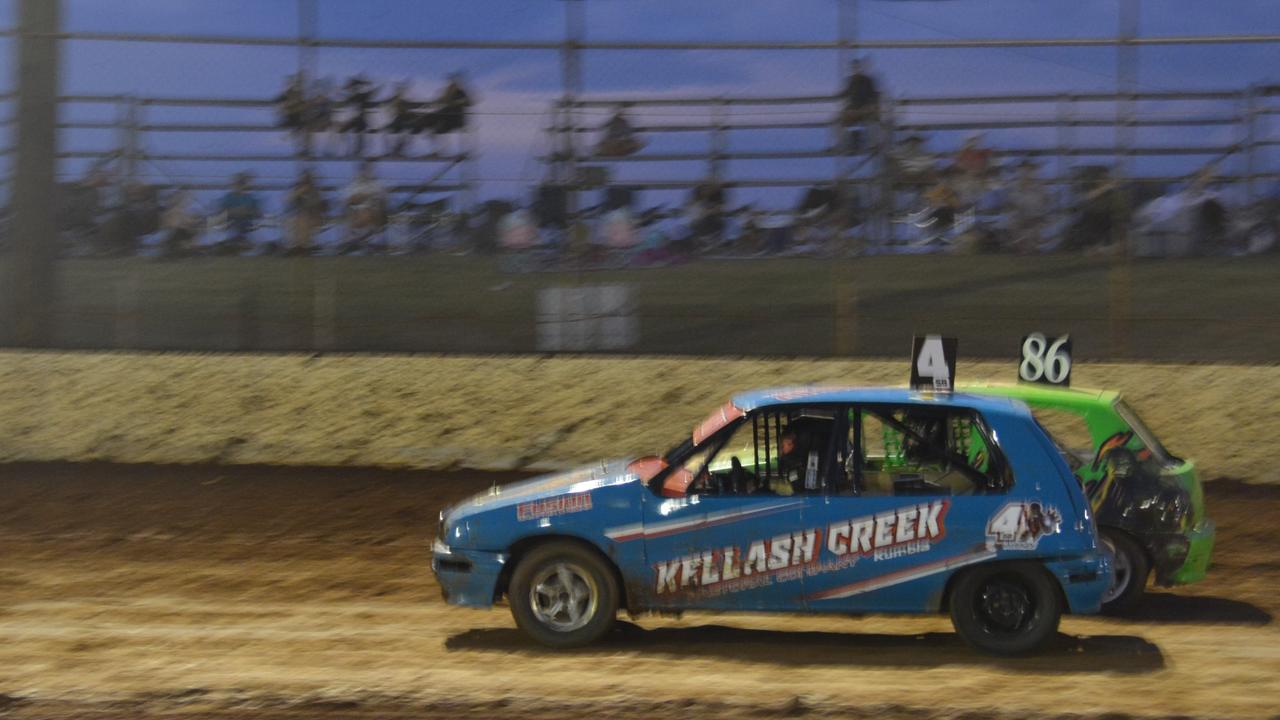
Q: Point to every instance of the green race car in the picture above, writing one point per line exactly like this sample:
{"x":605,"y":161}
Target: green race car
{"x":1148,"y":503}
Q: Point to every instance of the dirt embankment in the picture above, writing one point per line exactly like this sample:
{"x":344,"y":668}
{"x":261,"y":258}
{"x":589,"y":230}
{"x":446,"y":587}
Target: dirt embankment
{"x":207,"y":592}
{"x":512,"y":413}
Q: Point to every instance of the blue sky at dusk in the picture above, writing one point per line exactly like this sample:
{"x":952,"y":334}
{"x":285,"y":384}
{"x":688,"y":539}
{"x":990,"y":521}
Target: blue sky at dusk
{"x":515,"y":89}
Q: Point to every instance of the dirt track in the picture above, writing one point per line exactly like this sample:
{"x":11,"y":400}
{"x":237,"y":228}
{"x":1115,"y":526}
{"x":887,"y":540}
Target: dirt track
{"x":209,"y":592}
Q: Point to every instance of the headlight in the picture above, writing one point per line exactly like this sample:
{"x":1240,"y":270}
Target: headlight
{"x":440,"y":526}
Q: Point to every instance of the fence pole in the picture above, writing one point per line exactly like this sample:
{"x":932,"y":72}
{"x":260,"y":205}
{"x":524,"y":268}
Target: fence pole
{"x":1251,"y":141}
{"x":719,"y":140}
{"x":1121,"y":273}
{"x":30,"y":288}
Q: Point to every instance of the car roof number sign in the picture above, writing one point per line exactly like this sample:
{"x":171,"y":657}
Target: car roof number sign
{"x":933,"y":363}
{"x":1046,"y":360}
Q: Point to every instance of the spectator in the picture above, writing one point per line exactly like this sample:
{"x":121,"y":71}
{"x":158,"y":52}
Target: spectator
{"x":450,"y":115}
{"x":861,"y":107}
{"x":291,"y":108}
{"x":242,"y":211}
{"x":406,"y":119}
{"x":1096,"y":211}
{"x":942,"y":202}
{"x":81,"y":210}
{"x":1028,"y":208}
{"x":365,"y":209}
{"x":619,"y":139}
{"x":307,"y":209}
{"x":973,"y":168}
{"x":181,"y":225}
{"x":359,"y":103}
{"x":706,"y":215}
{"x":914,"y":164}
{"x":319,"y":114}
{"x":136,"y":218}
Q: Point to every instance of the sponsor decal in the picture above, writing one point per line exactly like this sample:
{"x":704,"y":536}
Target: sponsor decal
{"x":905,"y":575}
{"x":1020,"y":525}
{"x":732,"y":569}
{"x":551,"y":507}
{"x":890,"y":534}
{"x":887,"y":535}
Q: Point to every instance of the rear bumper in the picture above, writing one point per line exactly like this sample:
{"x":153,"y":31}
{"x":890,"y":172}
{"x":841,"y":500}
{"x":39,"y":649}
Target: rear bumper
{"x":1199,"y":551}
{"x":1084,"y":580}
{"x":467,"y":577}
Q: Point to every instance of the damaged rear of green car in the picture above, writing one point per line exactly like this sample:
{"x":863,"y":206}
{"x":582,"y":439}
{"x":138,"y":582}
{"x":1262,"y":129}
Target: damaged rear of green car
{"x":1148,"y":503}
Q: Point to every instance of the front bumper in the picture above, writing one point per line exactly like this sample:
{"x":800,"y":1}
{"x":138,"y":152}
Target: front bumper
{"x":1199,"y":551}
{"x":1084,"y":581}
{"x":467,"y":577}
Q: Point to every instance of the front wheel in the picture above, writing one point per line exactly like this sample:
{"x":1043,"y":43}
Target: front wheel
{"x":1006,"y":608}
{"x":563,"y":595}
{"x":1129,"y":579}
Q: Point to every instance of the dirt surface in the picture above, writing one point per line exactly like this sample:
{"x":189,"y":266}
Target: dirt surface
{"x":505,"y":413}
{"x":252,"y":592}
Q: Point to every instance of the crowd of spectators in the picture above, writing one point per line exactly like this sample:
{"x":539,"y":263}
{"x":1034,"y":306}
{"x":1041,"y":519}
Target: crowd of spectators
{"x":968,"y":198}
{"x":330,"y":120}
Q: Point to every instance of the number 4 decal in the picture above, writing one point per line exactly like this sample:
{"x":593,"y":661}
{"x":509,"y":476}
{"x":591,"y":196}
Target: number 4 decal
{"x":933,"y":363}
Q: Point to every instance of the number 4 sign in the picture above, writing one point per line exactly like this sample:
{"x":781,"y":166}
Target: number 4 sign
{"x":933,"y":363}
{"x":1045,"y":361}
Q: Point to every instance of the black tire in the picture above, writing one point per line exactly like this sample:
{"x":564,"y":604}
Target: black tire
{"x":1006,"y":608}
{"x":586,"y":608}
{"x":1132,"y":568}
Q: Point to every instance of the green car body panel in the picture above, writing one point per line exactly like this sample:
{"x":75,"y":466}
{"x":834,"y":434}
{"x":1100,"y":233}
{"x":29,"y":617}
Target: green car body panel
{"x":1155,"y":497}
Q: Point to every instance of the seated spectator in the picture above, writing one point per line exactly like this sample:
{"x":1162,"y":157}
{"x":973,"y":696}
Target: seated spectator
{"x":181,"y":225}
{"x":1029,"y":207}
{"x":242,"y":211}
{"x":706,"y":215}
{"x":81,"y":211}
{"x":943,"y":202}
{"x":360,"y":103}
{"x":318,"y":115}
{"x":137,"y":217}
{"x":973,"y":170}
{"x":914,"y":164}
{"x":307,"y":210}
{"x":405,"y":116}
{"x":619,"y":138}
{"x":450,"y":114}
{"x":365,"y":210}
{"x":291,"y":107}
{"x":861,"y":108}
{"x":1096,"y":211}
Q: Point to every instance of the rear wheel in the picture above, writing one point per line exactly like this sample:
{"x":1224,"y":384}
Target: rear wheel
{"x":1131,"y":568}
{"x":1006,"y":608}
{"x":563,"y":595}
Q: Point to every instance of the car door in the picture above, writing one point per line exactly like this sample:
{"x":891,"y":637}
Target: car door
{"x":738,"y":537}
{"x":921,"y":483}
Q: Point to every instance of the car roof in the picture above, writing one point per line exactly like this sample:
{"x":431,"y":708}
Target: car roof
{"x":755,"y":399}
{"x":1044,"y":394}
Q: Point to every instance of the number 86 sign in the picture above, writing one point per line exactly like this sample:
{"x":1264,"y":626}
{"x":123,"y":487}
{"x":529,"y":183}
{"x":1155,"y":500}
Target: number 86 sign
{"x":1045,"y":360}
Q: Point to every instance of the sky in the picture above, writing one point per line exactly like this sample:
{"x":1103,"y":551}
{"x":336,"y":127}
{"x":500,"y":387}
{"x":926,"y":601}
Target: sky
{"x":515,"y":89}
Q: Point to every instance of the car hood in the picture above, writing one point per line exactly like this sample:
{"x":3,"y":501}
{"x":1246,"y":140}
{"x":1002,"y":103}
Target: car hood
{"x":577,"y":480}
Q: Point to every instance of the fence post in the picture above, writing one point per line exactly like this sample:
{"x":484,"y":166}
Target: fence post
{"x":1250,"y":141}
{"x":719,"y":139}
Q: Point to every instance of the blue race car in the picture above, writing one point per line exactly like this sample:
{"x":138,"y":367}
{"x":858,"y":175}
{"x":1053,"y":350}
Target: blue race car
{"x":809,"y":499}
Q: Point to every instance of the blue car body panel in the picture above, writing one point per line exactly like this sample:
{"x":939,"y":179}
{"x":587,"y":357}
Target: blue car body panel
{"x":799,"y":553}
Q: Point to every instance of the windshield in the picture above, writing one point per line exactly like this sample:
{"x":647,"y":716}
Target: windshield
{"x":1144,"y":433}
